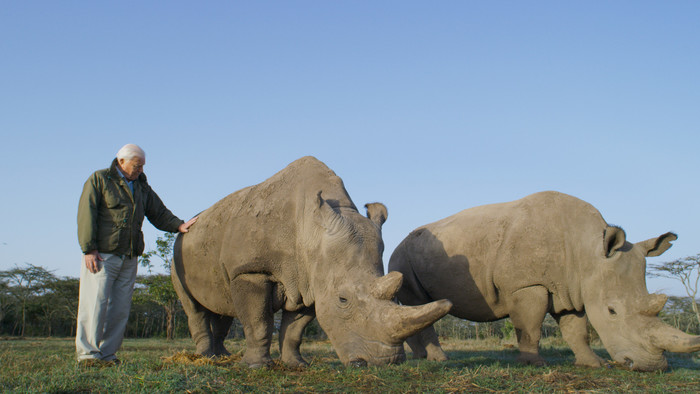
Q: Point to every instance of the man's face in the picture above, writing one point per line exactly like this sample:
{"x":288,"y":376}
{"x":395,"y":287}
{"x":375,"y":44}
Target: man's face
{"x":132,"y":168}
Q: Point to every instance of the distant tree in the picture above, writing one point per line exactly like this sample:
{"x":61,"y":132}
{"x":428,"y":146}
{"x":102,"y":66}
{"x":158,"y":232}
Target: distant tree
{"x":678,"y":312}
{"x":46,"y":308}
{"x":24,"y":285}
{"x":687,"y":270}
{"x":160,"y":287}
{"x":4,"y":296}
{"x":164,"y":251}
{"x":508,"y":329}
{"x":146,"y":317}
{"x":160,"y":290}
{"x":64,"y":300}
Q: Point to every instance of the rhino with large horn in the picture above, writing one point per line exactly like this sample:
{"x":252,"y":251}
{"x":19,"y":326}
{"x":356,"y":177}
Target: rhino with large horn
{"x":546,"y":253}
{"x":295,"y":242}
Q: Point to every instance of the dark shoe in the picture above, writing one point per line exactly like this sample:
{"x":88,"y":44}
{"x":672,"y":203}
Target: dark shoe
{"x":90,"y":363}
{"x":111,"y":363}
{"x":97,"y":363}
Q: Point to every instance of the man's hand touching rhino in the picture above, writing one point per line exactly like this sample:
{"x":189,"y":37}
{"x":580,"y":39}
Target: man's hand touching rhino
{"x":184,"y":227}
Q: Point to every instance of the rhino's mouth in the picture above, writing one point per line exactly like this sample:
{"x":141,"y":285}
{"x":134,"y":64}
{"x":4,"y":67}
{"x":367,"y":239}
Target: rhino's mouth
{"x":629,"y":363}
{"x":358,"y":363}
{"x":377,"y":353}
{"x":641,"y":364}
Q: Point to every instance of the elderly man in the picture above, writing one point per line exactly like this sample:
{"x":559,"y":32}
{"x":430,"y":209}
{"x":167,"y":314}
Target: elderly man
{"x":110,"y":214}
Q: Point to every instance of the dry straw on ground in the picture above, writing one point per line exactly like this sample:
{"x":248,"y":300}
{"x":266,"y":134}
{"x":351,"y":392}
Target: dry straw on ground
{"x":196,"y":359}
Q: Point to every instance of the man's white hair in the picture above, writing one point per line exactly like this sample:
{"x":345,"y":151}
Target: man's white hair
{"x":131,"y":151}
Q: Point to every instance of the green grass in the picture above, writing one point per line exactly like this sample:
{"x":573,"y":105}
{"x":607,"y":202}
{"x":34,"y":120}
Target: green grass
{"x":48,"y":365}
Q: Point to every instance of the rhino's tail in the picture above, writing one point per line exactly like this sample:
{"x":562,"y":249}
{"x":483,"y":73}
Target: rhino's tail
{"x":176,"y":267}
{"x":177,"y":252}
{"x":412,"y":291}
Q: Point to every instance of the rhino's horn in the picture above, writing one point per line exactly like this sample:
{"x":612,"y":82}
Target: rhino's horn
{"x":405,"y":321}
{"x":385,"y":287}
{"x":653,"y":304}
{"x":671,"y":339}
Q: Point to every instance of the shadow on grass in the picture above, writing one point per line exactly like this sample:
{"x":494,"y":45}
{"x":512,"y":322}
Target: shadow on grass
{"x":563,"y":358}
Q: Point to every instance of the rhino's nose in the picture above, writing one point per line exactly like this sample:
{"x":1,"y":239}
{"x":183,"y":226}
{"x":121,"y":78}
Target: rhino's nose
{"x":358,"y":363}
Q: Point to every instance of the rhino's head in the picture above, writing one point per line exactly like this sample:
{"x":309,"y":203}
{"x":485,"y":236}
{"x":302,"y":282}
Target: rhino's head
{"x":353,"y":300}
{"x":621,"y":310}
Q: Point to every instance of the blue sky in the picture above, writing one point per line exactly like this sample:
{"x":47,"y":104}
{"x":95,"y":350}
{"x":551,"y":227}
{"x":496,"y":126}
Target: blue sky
{"x":428,"y":107}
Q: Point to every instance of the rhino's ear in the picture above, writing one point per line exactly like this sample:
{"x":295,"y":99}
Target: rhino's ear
{"x":657,"y":246}
{"x":614,"y":239}
{"x":377,"y":213}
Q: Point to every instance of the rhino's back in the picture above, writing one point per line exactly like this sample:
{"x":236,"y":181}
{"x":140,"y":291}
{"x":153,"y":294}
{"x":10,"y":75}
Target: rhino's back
{"x":255,"y":230}
{"x":479,"y":256}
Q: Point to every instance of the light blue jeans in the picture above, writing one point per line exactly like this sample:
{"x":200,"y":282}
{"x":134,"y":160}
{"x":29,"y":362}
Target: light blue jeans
{"x":103,"y":309}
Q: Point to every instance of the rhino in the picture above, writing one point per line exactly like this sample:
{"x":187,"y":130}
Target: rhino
{"x":296,"y":243}
{"x":546,"y":253}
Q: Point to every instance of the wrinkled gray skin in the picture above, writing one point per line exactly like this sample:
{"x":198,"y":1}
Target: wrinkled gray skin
{"x":295,"y":242}
{"x":546,"y":253}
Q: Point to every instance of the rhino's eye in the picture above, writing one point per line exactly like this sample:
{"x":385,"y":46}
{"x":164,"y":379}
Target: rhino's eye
{"x":611,"y":311}
{"x":345,"y":299}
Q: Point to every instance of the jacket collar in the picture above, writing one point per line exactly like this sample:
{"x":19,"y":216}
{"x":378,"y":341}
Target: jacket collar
{"x":114,"y":172}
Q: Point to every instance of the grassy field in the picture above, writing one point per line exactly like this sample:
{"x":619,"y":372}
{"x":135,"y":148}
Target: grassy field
{"x":48,"y":365}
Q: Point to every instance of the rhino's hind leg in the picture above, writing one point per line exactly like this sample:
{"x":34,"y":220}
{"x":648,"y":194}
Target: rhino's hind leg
{"x":291,"y":332}
{"x":252,"y":296}
{"x":574,"y":330}
{"x":220,"y":326}
{"x":527,"y":311}
{"x":425,"y":344}
{"x":198,"y":320}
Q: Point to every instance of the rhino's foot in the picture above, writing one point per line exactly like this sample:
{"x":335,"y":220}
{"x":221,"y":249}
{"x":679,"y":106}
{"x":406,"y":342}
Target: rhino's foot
{"x":257,"y":362}
{"x":213,"y":353}
{"x":221,"y":351}
{"x":295,"y":362}
{"x":204,"y":347}
{"x":419,"y":355}
{"x":591,"y":360}
{"x":531,"y":359}
{"x":206,"y":353}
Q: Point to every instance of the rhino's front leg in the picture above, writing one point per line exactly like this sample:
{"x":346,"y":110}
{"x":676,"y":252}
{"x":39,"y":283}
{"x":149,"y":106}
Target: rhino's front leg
{"x":251,"y":294}
{"x":527,"y":310}
{"x":291,"y":332}
{"x":425,"y":344}
{"x":574,"y":330}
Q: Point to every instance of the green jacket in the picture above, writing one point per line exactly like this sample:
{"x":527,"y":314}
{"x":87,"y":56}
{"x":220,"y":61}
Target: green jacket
{"x":110,"y":217}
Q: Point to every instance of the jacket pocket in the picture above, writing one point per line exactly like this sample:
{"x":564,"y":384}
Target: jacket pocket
{"x":111,"y":199}
{"x":108,"y":238}
{"x":140,"y":245}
